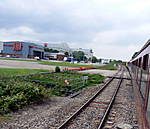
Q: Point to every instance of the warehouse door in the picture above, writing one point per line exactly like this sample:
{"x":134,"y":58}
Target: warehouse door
{"x":38,"y":54}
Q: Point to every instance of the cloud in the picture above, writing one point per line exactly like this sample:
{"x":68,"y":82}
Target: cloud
{"x":20,"y":33}
{"x":116,"y":24}
{"x":27,"y":33}
{"x":115,"y":52}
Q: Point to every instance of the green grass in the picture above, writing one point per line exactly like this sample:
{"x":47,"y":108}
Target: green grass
{"x":109,"y":66}
{"x":12,"y":71}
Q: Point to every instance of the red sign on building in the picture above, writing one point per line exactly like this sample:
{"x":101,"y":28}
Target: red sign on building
{"x":17,"y":46}
{"x":45,"y":44}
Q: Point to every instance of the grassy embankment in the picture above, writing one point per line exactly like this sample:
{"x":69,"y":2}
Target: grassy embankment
{"x":16,"y":92}
{"x":109,"y":66}
{"x":15,"y":71}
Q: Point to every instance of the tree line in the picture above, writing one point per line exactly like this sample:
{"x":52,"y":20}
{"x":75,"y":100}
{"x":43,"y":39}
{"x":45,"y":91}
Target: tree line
{"x":80,"y":56}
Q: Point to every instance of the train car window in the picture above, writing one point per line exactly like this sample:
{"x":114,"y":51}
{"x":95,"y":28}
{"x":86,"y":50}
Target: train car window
{"x":148,"y":65}
{"x":139,"y":63}
{"x":139,"y":76}
{"x":136,"y":62}
{"x":144,"y":76}
{"x":143,"y":83}
{"x":145,"y":62}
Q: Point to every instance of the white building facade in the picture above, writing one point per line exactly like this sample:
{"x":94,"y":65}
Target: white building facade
{"x":61,"y":47}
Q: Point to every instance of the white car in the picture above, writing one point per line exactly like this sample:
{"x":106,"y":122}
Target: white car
{"x":37,"y":58}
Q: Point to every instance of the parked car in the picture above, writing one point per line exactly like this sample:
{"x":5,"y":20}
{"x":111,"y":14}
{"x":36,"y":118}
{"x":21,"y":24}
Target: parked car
{"x":37,"y":58}
{"x":71,"y":59}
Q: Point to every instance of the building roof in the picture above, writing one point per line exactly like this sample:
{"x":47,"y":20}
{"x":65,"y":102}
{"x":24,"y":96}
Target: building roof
{"x":59,"y":46}
{"x":35,"y":44}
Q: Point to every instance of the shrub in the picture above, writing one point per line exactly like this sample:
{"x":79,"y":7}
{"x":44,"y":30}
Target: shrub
{"x":57,"y":69}
{"x":16,"y":93}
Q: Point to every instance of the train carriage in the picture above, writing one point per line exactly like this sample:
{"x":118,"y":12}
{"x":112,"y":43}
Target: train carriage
{"x":139,"y":67}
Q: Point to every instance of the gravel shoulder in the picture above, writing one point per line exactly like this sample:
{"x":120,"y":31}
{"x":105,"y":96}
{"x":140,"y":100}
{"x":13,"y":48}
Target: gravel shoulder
{"x":99,"y":71}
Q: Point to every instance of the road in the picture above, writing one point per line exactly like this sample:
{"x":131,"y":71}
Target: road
{"x":24,"y":64}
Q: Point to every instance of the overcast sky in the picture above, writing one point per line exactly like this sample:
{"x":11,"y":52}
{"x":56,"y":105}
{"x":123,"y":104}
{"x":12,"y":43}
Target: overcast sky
{"x":112,"y":28}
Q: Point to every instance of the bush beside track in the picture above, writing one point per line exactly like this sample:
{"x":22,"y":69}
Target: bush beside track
{"x":16,"y":93}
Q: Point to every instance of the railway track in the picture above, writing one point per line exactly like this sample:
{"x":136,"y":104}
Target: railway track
{"x":123,"y":112}
{"x":94,"y":112}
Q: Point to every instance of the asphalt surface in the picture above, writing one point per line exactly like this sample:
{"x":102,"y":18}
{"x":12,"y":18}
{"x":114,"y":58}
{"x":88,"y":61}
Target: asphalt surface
{"x":24,"y":64}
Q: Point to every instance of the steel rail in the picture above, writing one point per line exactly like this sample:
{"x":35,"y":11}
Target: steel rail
{"x":111,"y":103}
{"x":87,"y":103}
{"x":120,"y":78}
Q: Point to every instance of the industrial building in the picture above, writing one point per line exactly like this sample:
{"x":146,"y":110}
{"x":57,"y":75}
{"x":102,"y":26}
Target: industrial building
{"x":25,"y":49}
{"x":22,"y":49}
{"x":64,"y":47}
